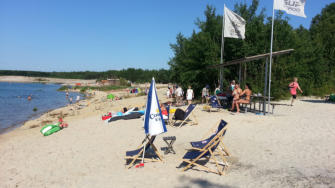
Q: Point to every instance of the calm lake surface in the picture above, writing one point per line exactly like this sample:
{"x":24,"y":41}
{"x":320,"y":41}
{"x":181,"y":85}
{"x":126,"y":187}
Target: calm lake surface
{"x":15,"y":108}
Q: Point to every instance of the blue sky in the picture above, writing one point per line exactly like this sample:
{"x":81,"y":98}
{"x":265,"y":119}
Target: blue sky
{"x":98,"y":35}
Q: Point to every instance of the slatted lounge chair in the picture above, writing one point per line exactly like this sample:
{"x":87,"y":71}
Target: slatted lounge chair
{"x":188,"y":113}
{"x":201,"y":144}
{"x":151,"y":153}
{"x":195,"y":156}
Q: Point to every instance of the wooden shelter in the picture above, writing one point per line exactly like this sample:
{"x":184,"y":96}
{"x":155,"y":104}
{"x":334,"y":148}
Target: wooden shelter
{"x":254,"y":58}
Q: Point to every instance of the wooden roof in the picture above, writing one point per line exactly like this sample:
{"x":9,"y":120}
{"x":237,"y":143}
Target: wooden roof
{"x":251,"y":58}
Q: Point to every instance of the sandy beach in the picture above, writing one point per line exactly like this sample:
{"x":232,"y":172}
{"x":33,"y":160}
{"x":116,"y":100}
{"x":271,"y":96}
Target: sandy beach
{"x":292,"y":148}
{"x":27,"y":79}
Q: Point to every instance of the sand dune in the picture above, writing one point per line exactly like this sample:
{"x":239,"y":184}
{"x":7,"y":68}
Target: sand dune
{"x":292,"y":148}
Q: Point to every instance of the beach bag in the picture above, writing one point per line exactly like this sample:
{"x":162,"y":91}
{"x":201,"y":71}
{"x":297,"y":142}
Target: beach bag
{"x":49,"y":129}
{"x":179,"y":114}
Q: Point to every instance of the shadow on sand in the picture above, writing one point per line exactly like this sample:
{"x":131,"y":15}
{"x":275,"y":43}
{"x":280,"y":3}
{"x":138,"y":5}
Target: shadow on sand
{"x":317,"y":101}
{"x":188,"y":182}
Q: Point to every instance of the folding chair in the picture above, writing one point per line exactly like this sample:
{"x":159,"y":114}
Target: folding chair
{"x":151,"y":152}
{"x":188,"y":113}
{"x":195,"y":155}
{"x":201,"y":144}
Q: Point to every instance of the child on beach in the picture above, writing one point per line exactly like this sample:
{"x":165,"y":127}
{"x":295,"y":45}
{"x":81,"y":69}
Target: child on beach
{"x":293,"y":89}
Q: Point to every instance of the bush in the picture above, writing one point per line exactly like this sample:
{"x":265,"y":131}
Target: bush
{"x":63,"y":88}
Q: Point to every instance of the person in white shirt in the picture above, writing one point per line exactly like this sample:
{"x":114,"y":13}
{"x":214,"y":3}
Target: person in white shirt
{"x":189,"y":95}
{"x":179,"y":95}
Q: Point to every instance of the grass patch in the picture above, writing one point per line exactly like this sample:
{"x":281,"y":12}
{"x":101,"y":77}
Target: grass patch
{"x":83,"y":89}
{"x":63,"y":88}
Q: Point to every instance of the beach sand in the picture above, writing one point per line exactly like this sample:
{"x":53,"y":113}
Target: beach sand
{"x":295,"y":147}
{"x":27,"y":79}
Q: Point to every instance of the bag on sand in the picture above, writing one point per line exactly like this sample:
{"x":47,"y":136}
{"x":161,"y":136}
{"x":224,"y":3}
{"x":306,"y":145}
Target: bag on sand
{"x":179,"y":114}
{"x":50,"y":129}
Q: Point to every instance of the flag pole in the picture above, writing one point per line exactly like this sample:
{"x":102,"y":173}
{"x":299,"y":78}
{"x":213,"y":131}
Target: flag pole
{"x":269,"y":94}
{"x":222,"y":50}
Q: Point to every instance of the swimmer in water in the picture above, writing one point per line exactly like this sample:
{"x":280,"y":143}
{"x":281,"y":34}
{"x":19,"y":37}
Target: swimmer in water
{"x":29,"y":97}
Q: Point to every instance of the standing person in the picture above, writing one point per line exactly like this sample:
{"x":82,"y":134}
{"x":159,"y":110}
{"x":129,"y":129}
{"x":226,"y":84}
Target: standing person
{"x":78,"y":98}
{"x":168,"y":93}
{"x":179,"y":94}
{"x":232,"y":85}
{"x":67,"y":94}
{"x":189,"y":95}
{"x":205,"y":94}
{"x":293,"y":89}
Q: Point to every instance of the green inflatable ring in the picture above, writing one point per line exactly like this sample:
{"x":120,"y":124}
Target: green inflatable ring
{"x":50,"y":129}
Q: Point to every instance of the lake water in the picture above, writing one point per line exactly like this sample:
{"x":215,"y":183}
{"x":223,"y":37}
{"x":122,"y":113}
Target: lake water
{"x":15,"y":108}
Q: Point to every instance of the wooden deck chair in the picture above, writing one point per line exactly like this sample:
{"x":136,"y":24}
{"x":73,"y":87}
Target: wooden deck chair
{"x":151,"y":152}
{"x":218,"y":127}
{"x":188,"y":113}
{"x":214,"y":105}
{"x":194,"y":156}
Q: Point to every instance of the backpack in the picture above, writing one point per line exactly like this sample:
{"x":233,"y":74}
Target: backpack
{"x":179,"y":114}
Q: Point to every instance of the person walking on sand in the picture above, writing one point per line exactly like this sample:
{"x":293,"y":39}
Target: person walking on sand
{"x":293,"y":89}
{"x":189,"y":95}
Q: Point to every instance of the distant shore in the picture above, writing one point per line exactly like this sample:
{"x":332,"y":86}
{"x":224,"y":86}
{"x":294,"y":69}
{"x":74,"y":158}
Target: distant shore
{"x":27,"y":79}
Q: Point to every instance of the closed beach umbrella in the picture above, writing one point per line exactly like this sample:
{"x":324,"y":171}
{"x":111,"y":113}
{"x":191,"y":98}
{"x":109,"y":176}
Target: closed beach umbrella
{"x":153,"y":122}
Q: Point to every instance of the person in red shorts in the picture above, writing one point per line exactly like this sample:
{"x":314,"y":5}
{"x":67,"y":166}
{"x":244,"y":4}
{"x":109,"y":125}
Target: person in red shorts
{"x":293,"y":89}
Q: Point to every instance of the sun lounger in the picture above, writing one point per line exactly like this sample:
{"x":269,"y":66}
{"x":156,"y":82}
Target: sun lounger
{"x":188,"y":113}
{"x":207,"y":151}
{"x":151,"y":153}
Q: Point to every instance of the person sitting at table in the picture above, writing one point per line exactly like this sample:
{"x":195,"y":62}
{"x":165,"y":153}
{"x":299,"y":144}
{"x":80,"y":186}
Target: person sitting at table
{"x":236,"y":95}
{"x":247,"y":92}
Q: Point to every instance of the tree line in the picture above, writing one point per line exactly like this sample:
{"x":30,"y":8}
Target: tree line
{"x":312,"y":61}
{"x":131,"y":74}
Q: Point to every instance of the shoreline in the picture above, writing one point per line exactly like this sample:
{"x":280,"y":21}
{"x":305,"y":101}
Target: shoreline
{"x":34,"y":116}
{"x":69,"y":111}
{"x":46,"y":80}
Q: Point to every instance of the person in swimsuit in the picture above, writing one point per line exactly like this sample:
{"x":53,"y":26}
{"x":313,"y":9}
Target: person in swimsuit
{"x":293,"y":89}
{"x":247,"y":92}
{"x":236,"y":94}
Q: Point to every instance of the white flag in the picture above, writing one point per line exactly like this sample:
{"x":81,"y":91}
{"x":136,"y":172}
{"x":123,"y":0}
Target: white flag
{"x":294,"y":7}
{"x":234,"y":25}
